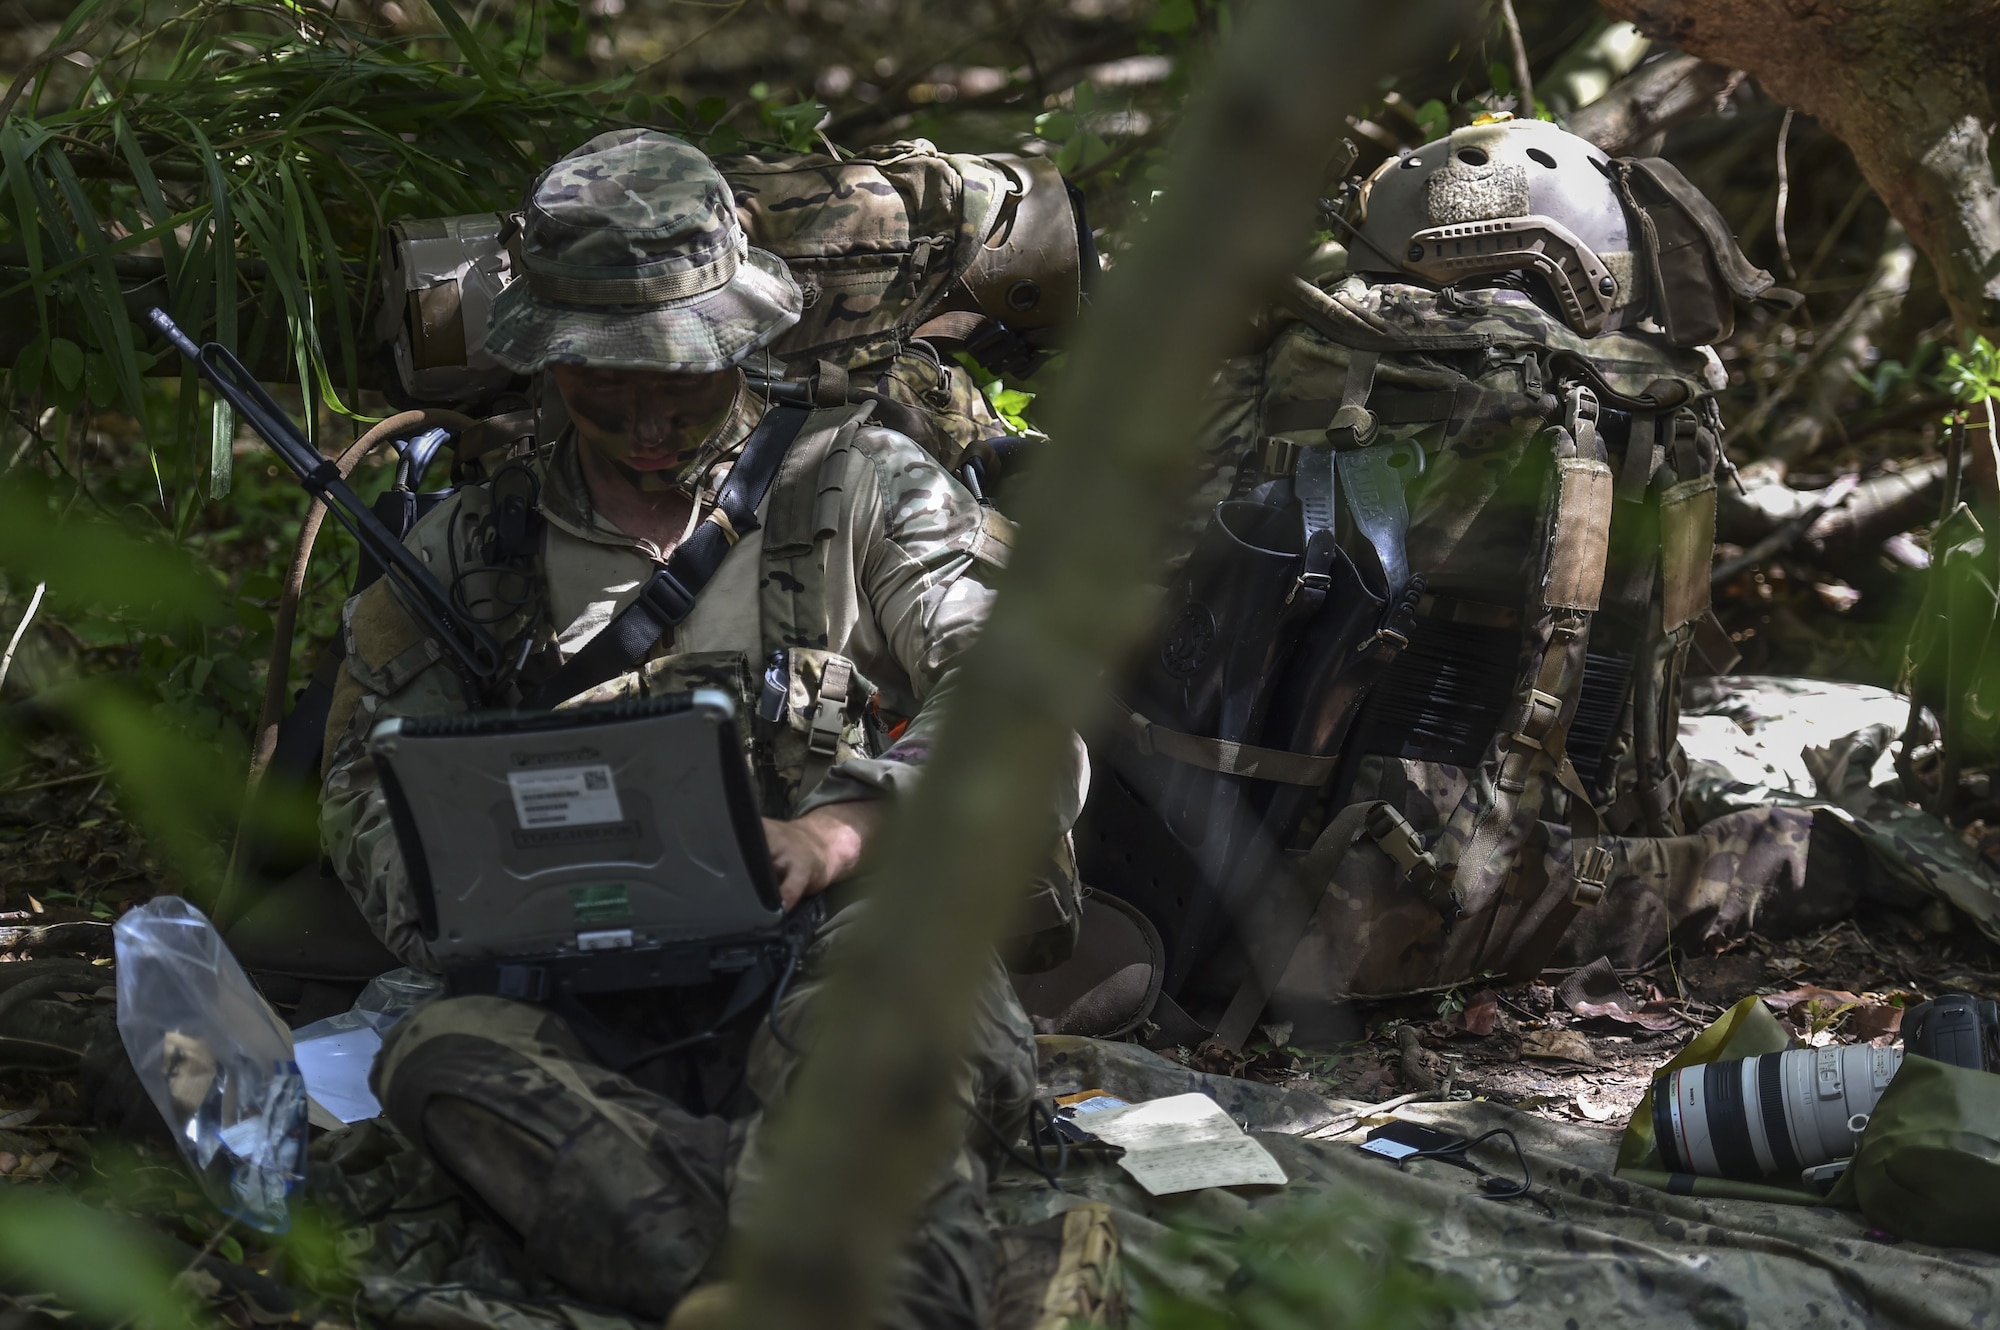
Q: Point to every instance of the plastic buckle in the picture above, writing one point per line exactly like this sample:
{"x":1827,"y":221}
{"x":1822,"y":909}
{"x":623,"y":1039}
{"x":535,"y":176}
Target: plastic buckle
{"x":666,"y":597}
{"x":1279,"y":457}
{"x":1534,"y":729}
{"x":825,"y":737}
{"x":1590,"y":877}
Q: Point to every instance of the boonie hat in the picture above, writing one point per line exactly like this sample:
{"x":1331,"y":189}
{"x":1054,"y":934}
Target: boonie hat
{"x":632,"y":258}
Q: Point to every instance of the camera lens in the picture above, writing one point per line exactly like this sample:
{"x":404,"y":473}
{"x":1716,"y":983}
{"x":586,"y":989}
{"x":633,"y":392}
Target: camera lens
{"x":1769,"y":1116}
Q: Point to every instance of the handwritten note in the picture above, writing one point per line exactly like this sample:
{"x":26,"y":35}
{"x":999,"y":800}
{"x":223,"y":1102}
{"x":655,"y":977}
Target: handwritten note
{"x":1184,"y":1143}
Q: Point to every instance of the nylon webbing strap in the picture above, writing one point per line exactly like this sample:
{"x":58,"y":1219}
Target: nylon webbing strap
{"x":1272,"y":939}
{"x":829,"y":715}
{"x":1353,"y":424}
{"x":1535,"y":740}
{"x":1275,"y":936}
{"x":668,"y":596}
{"x":1230,"y":759}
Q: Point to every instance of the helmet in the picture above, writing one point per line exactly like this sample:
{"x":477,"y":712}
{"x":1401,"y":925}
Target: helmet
{"x":1500,"y":197}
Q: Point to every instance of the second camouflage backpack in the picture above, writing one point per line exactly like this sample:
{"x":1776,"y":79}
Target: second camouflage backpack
{"x":1413,"y":716}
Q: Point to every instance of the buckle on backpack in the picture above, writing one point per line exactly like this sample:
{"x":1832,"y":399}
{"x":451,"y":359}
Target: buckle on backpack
{"x":1315,"y":582}
{"x":1590,"y":876}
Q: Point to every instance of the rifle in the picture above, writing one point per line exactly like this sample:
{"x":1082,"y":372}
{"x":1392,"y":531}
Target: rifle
{"x":473,"y":652}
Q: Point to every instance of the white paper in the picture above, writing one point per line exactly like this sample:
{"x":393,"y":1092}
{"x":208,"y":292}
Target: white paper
{"x":1238,"y":1163}
{"x":1184,"y":1143}
{"x":1180,"y":1120}
{"x":335,"y":1067}
{"x":564,"y":797}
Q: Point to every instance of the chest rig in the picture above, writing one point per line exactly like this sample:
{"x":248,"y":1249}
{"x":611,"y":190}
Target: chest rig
{"x":802,"y":707}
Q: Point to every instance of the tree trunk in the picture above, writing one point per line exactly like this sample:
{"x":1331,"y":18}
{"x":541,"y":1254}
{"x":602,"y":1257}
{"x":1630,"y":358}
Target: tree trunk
{"x":1904,"y":83}
{"x":874,"y":1112}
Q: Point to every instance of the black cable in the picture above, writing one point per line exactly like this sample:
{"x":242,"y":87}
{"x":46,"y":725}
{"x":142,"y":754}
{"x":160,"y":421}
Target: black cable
{"x":1459,"y":1156}
{"x":668,"y":1049}
{"x":1051,"y":1176}
{"x":792,"y":954}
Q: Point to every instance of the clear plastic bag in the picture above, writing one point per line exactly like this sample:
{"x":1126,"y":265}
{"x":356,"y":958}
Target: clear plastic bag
{"x":386,"y":1000}
{"x":337,"y":1053}
{"x":214,"y":1057}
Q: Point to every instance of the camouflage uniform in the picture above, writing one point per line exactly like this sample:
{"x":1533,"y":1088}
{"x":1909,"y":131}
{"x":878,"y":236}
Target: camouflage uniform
{"x":870,"y":563}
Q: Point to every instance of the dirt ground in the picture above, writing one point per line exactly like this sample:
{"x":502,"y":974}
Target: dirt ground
{"x":1584,"y":1048}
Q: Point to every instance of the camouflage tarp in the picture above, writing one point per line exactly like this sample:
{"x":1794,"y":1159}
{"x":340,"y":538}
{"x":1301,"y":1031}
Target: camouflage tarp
{"x":1586,"y":1248}
{"x":1759,"y":740}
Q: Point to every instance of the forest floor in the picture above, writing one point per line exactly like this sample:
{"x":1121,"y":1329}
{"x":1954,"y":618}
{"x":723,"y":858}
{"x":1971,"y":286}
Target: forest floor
{"x":1584,"y":1049}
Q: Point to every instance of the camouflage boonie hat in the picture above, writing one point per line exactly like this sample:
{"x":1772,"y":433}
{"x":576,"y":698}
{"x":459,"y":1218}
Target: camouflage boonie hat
{"x":632,"y":257}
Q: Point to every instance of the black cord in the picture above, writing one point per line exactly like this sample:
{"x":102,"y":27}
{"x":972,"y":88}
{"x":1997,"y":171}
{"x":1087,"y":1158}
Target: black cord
{"x":792,"y":954}
{"x":1051,"y":1176}
{"x":1491,"y":1186}
{"x":667,"y":1049}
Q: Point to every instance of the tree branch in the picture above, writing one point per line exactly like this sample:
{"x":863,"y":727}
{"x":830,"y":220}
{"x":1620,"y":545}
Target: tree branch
{"x":1652,"y":100}
{"x":873,"y":1114}
{"x":1904,"y":84}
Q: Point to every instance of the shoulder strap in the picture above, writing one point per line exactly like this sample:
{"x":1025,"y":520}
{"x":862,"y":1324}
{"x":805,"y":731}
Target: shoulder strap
{"x":668,"y":596}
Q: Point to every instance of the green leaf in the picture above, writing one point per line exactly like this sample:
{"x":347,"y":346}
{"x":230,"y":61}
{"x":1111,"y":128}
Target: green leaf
{"x":1173,"y":17}
{"x":66,"y":359}
{"x":108,"y":1269}
{"x":28,"y":367}
{"x":93,"y":565}
{"x":468,"y":44}
{"x":709,"y":110}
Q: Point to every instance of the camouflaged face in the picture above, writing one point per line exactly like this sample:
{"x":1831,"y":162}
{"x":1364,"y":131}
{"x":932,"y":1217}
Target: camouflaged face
{"x":633,"y":258}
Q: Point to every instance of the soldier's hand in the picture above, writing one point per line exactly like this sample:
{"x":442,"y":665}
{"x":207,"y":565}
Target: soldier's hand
{"x":813,"y":852}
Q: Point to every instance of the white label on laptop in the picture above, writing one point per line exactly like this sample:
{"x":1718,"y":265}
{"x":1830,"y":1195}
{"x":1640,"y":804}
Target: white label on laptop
{"x":564,"y":797}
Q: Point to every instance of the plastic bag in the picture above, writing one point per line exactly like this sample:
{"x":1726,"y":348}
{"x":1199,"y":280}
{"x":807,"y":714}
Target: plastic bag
{"x":337,"y":1053}
{"x":385,"y":1001}
{"x":215,"y":1059}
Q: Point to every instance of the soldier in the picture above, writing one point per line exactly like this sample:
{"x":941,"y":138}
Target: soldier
{"x":868,"y":572}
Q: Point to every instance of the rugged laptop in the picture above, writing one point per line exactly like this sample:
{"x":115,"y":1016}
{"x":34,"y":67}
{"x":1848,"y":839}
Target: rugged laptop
{"x":606,"y":847}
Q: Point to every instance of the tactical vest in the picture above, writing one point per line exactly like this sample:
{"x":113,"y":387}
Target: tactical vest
{"x":1503,"y":532}
{"x":819,"y":710}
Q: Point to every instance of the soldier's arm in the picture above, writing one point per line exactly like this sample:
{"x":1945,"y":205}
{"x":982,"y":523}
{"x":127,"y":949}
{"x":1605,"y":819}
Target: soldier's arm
{"x":390,"y":669}
{"x":926,"y":551}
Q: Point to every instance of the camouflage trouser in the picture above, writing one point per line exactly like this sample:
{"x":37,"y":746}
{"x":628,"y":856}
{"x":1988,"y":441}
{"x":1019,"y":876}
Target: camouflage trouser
{"x":625,"y":1197}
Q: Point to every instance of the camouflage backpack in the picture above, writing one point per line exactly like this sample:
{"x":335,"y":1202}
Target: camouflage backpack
{"x":904,"y":255}
{"x":1414,"y":713}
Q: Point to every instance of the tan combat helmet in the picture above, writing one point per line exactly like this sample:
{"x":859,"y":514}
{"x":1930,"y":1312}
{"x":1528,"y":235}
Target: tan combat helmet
{"x":1501,"y":197}
{"x":1611,"y":242}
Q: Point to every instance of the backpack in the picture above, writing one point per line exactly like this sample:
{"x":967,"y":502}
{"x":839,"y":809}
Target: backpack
{"x":1409,"y":742}
{"x":904,"y":255}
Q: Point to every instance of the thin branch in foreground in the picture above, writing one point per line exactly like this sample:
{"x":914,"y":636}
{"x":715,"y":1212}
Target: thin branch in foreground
{"x":873,"y":1113}
{"x":21,"y":631}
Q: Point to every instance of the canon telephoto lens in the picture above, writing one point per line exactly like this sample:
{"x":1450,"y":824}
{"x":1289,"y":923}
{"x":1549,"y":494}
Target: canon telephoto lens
{"x":1769,"y":1116}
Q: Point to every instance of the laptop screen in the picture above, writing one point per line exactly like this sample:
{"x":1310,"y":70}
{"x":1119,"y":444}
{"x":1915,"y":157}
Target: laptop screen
{"x":628,"y":826}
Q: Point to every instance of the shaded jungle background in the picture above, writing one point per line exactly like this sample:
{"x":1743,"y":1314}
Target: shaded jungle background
{"x":236,"y":161}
